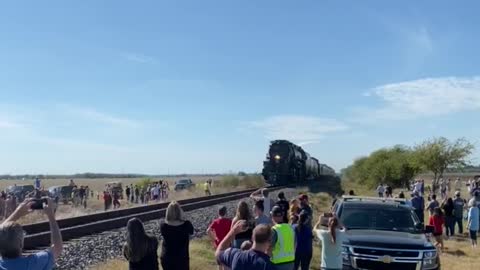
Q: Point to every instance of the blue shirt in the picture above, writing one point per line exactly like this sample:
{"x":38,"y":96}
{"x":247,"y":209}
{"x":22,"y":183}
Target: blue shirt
{"x":473,"y":218}
{"x":237,"y":259}
{"x":303,"y":240}
{"x":417,"y":203}
{"x":42,"y":260}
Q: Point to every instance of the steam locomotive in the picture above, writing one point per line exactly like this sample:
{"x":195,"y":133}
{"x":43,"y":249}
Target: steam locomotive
{"x":289,"y":163}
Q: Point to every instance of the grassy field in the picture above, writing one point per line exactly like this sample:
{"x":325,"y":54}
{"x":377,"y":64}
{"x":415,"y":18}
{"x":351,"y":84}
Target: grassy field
{"x":221,"y":184}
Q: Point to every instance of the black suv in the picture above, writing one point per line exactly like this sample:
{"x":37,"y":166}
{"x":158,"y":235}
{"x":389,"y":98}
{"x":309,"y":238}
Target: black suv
{"x":384,"y":234}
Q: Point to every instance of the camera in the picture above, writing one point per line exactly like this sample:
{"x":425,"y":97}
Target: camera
{"x":38,"y":204}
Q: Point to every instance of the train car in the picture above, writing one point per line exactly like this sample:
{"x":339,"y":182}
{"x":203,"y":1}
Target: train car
{"x":289,"y":163}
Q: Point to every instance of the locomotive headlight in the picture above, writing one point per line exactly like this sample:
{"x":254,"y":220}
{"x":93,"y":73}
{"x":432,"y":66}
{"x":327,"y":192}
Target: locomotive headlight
{"x":277,"y":157}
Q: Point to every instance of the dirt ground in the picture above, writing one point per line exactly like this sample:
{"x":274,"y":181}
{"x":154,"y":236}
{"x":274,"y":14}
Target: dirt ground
{"x":95,"y":204}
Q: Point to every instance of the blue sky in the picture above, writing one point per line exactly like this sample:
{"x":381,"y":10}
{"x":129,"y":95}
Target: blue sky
{"x":202,"y":86}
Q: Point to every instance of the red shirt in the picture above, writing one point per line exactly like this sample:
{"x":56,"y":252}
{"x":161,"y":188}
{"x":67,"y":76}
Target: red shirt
{"x":437,"y":222}
{"x":221,"y":227}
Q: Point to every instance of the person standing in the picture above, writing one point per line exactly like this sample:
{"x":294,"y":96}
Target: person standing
{"x":254,"y":258}
{"x":243,"y":213}
{"x":37,"y":183}
{"x":260,"y":217}
{"x":294,"y":210}
{"x":418,"y":205}
{"x":140,"y":249}
{"x":459,"y":206}
{"x":206,"y":188}
{"x":332,"y":240}
{"x":176,"y":232}
{"x":380,"y":190}
{"x":284,"y":205}
{"x":306,"y":208}
{"x":432,"y":204}
{"x":473,"y":221}
{"x":437,"y":221}
{"x":303,"y":243}
{"x":137,"y":194}
{"x":220,"y":226}
{"x":116,"y":200}
{"x":127,"y":192}
{"x":262,"y":195}
{"x":448,"y":207}
{"x":10,"y":204}
{"x":283,"y":241}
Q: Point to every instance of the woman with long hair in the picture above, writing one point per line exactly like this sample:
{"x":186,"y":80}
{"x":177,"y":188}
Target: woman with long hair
{"x":303,"y":243}
{"x":176,"y":232}
{"x":294,"y":210}
{"x":448,"y":207}
{"x":332,"y":240}
{"x":140,"y":249}
{"x":243,"y":213}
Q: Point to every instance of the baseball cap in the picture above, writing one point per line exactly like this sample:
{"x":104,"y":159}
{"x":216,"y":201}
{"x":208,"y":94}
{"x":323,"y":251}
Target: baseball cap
{"x":303,"y":197}
{"x":457,"y":193}
{"x":276,"y":211}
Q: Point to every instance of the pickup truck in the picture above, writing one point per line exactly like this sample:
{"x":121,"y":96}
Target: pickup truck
{"x":384,"y":234}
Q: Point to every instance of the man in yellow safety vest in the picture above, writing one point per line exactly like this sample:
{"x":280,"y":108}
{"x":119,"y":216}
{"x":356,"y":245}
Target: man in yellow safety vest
{"x":283,"y":241}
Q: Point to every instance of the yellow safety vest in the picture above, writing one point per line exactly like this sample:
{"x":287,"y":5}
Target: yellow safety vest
{"x":206,"y":187}
{"x":284,"y":249}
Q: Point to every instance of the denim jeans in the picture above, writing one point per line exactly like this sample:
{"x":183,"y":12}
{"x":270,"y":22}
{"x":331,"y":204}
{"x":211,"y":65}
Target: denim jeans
{"x":449,"y":225}
{"x":302,"y":260}
{"x":459,"y":221}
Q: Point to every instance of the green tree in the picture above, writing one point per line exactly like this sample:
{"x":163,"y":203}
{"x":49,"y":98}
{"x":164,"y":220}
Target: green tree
{"x":394,"y":166}
{"x":439,"y":154}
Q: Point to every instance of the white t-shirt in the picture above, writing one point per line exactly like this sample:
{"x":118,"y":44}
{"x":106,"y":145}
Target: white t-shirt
{"x":331,"y":253}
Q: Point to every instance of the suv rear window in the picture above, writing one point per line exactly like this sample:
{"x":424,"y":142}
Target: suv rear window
{"x":389,"y":219}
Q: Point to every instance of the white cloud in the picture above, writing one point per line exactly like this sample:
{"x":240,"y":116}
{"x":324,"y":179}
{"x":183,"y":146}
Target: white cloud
{"x":299,"y":128}
{"x":97,"y":116}
{"x":423,"y":98}
{"x":137,"y":57}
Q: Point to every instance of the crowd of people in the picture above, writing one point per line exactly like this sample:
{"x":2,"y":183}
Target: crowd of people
{"x":275,"y":235}
{"x":447,"y":213}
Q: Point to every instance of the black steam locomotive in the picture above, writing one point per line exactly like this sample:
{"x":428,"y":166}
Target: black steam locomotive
{"x":289,"y":163}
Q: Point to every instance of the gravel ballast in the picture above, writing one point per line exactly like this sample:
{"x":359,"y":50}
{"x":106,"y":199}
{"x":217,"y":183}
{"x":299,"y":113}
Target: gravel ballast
{"x":84,"y":252}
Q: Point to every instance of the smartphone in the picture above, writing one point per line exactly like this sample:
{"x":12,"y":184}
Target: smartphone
{"x":38,"y":204}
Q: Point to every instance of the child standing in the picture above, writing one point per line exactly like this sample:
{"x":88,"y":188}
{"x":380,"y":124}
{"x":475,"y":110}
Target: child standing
{"x":219,"y":228}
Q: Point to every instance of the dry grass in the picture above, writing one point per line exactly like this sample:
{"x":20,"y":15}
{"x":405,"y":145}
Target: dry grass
{"x":221,"y":184}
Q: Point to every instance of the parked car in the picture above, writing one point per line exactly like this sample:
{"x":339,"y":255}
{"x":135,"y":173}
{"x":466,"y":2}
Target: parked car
{"x":20,"y":191}
{"x":64,"y":193}
{"x":116,"y":186}
{"x":183,"y":184}
{"x":384,"y":234}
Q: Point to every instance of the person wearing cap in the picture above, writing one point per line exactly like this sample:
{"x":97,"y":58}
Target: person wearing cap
{"x":283,"y":203}
{"x":459,"y":206}
{"x":305,"y":208}
{"x":283,"y":241}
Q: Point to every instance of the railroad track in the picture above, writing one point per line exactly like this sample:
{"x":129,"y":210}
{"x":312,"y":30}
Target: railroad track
{"x":38,"y":234}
